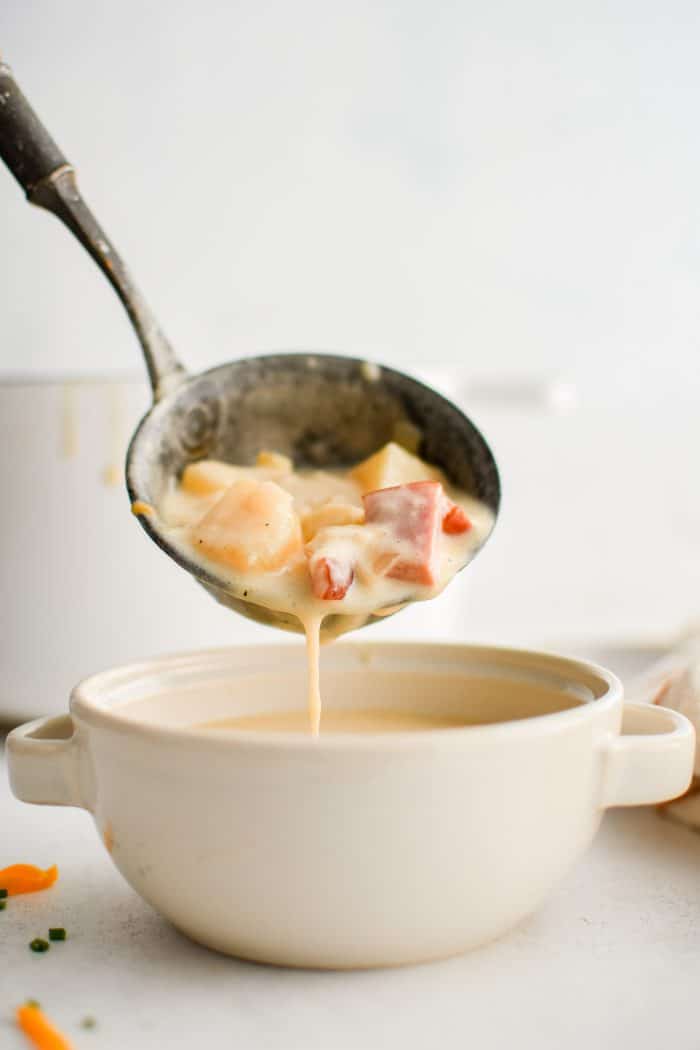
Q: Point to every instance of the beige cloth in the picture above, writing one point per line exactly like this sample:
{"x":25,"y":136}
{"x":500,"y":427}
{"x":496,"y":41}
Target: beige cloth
{"x":674,"y":682}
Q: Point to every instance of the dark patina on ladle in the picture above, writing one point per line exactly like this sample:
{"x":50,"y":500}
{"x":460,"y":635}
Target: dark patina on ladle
{"x":323,"y":410}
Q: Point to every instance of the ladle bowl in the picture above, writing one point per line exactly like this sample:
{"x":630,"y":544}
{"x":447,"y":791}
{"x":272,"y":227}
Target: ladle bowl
{"x":323,"y":410}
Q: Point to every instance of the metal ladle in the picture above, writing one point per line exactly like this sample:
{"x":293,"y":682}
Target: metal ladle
{"x":320,"y":409}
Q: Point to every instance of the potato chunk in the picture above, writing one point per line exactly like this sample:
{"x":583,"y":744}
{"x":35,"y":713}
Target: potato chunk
{"x":330,"y":514}
{"x":338,"y":554}
{"x":274,"y":461}
{"x":391,"y":466}
{"x":252,"y":528}
{"x":208,"y":477}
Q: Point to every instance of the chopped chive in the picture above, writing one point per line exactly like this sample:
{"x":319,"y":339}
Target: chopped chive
{"x":88,"y":1022}
{"x":39,"y":945}
{"x":57,"y":933}
{"x":3,"y":893}
{"x":3,"y":905}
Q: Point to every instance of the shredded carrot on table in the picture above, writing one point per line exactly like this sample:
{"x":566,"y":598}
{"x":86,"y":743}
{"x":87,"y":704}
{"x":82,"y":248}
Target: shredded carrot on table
{"x":25,"y":878}
{"x":39,"y":1030}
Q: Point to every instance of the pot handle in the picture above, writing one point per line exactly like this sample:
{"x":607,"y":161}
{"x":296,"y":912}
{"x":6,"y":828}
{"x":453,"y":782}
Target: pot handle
{"x":45,"y":763}
{"x":652,"y":761}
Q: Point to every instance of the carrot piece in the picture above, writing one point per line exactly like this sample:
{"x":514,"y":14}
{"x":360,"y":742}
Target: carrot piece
{"x":39,"y":1030}
{"x":330,"y":578}
{"x":25,"y":878}
{"x":455,"y":521}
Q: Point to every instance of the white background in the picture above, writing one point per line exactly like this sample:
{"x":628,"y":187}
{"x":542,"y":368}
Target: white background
{"x":502,"y":195}
{"x":501,"y":185}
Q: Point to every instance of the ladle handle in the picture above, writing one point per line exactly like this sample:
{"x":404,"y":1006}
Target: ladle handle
{"x":49,"y":182}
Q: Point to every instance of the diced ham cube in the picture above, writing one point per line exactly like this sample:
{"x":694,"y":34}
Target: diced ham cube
{"x":455,"y":520}
{"x":330,"y":578}
{"x":412,"y":515}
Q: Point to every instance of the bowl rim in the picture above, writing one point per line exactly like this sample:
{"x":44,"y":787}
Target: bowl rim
{"x":88,"y":696}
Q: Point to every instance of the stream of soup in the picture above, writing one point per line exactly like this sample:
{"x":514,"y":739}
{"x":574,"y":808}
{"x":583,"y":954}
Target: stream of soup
{"x":318,"y":544}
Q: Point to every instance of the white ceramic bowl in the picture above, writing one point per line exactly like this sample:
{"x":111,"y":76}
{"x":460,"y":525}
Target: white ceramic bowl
{"x":349,"y":851}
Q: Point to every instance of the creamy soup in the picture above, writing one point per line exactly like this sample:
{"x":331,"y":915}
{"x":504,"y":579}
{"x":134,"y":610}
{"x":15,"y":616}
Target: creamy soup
{"x":359,"y":700}
{"x":313,"y":544}
{"x":387,"y":719}
{"x":363,"y":720}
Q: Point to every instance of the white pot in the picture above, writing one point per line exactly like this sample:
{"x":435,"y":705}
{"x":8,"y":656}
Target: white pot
{"x":349,"y":851}
{"x":82,"y":585}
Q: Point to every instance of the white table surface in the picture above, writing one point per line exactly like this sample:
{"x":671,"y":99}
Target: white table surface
{"x":611,"y":960}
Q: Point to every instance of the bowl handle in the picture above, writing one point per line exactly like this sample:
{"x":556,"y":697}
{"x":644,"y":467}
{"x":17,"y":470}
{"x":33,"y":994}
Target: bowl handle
{"x":46,"y":763}
{"x":652,"y":761}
